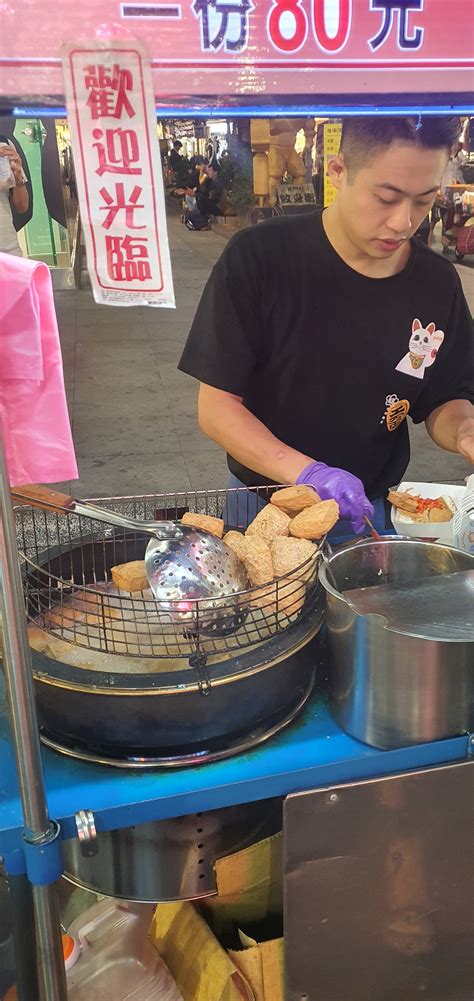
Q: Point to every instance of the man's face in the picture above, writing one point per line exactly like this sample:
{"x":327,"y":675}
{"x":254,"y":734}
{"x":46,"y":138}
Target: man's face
{"x":381,"y":205}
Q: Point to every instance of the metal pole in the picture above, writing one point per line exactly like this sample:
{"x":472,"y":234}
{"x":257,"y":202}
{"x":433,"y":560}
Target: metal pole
{"x":21,"y":703}
{"x":21,"y":903}
{"x":18,"y":674}
{"x":49,"y":948}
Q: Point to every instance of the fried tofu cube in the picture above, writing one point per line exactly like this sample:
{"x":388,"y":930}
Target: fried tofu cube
{"x":235,"y":541}
{"x":270,"y":521}
{"x":292,"y":500}
{"x":130,"y":576}
{"x":206,"y":522}
{"x":315,"y":521}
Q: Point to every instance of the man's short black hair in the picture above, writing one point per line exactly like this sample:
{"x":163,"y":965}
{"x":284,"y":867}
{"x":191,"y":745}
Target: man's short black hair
{"x":362,"y":138}
{"x":177,"y":144}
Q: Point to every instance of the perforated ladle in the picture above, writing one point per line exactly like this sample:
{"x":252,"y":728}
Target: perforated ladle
{"x":183,"y":564}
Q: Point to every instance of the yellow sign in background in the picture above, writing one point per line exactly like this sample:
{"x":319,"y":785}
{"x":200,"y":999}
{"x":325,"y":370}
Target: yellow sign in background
{"x":332,"y":141}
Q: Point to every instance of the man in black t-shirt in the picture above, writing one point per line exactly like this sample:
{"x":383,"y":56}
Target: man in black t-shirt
{"x":176,"y":158}
{"x":210,"y":201}
{"x":317,"y":335}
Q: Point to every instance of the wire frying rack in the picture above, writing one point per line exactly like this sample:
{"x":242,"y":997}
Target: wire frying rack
{"x":70,"y":595}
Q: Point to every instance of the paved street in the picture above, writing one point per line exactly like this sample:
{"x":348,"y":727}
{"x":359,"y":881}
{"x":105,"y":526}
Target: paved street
{"x":134,"y":415}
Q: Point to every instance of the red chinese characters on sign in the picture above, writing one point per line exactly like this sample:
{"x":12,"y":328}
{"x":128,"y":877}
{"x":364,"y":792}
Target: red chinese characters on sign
{"x":117,"y":151}
{"x":128,"y":204}
{"x":121,"y":182}
{"x":108,"y":91}
{"x":108,"y":99}
{"x":127,"y":258}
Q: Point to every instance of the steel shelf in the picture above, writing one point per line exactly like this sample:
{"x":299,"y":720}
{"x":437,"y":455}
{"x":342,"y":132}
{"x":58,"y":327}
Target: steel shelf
{"x":311,"y":753}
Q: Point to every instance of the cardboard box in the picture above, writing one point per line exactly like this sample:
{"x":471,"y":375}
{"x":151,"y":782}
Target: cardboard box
{"x":249,"y":887}
{"x":262,"y":966}
{"x":202,"y":969}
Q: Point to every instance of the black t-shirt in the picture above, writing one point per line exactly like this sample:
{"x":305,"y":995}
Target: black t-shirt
{"x":176,"y":160}
{"x":329,"y":360}
{"x":210,"y":200}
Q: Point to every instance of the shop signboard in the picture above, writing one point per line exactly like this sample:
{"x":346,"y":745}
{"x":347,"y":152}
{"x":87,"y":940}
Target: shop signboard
{"x":118,"y":171}
{"x":296,"y":194}
{"x":296,"y":197}
{"x":254,"y":48}
{"x":332,"y":141}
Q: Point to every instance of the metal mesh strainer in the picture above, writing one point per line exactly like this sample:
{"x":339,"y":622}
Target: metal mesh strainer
{"x":183,"y":564}
{"x":71,"y":599}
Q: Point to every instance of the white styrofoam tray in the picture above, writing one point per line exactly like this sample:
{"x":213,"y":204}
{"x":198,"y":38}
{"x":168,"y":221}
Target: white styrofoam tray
{"x":427,"y":530}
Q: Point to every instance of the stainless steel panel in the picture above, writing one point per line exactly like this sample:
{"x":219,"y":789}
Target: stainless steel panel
{"x":378,"y":889}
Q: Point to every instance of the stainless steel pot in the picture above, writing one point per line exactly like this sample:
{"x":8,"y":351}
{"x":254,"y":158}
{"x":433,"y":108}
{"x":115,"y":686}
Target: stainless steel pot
{"x":170,"y":859}
{"x":388,"y":687}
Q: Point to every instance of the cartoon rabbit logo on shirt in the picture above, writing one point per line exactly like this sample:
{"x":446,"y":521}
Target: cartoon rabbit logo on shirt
{"x":423,"y":347}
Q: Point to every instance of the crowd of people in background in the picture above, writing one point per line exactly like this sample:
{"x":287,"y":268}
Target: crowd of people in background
{"x":198,"y":182}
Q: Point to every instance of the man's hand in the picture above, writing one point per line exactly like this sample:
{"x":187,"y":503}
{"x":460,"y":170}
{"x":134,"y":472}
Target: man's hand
{"x":342,"y":486}
{"x":15,"y":162}
{"x":451,"y":426}
{"x":465,"y":439}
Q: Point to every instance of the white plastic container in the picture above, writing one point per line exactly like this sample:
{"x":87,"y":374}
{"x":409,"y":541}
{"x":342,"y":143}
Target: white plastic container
{"x":112,"y":958}
{"x":443,"y":530}
{"x":464,"y":520}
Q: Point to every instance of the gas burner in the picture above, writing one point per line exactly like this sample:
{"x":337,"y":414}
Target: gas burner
{"x":204,"y":754}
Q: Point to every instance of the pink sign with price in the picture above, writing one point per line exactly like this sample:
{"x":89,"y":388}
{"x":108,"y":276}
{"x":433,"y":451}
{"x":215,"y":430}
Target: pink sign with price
{"x":255,"y":47}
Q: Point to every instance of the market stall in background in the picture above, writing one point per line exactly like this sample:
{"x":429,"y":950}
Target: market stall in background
{"x":183,"y":727}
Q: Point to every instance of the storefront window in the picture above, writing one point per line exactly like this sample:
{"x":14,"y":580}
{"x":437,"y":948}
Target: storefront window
{"x":45,"y":237}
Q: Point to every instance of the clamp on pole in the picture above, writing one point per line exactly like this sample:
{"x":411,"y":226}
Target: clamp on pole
{"x":86,"y":833}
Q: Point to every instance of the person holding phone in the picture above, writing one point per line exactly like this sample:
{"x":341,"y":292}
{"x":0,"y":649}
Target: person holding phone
{"x":14,"y":196}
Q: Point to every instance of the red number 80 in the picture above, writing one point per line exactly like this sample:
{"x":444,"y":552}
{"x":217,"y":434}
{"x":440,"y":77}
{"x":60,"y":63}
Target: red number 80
{"x":298,"y":38}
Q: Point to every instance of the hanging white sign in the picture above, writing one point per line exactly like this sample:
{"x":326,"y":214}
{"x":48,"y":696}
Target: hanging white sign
{"x":112,"y":117}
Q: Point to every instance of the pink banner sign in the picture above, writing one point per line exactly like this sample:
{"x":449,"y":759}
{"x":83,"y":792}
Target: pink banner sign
{"x":119,"y":176}
{"x":253,"y":47}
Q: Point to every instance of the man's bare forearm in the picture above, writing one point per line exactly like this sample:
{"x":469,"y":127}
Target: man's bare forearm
{"x":21,"y":198}
{"x":451,"y":424}
{"x":224,"y":418}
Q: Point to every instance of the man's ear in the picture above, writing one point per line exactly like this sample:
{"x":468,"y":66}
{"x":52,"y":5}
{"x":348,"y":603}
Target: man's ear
{"x":337,"y":170}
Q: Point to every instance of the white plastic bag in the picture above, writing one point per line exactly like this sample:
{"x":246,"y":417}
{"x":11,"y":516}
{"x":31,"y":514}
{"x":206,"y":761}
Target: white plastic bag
{"x":463,"y":521}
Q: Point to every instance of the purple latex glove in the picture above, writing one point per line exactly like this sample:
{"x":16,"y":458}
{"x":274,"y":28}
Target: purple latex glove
{"x":346,"y":489}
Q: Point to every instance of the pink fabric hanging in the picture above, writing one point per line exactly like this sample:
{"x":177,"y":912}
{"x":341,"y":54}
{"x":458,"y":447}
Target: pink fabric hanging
{"x":34,"y":420}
